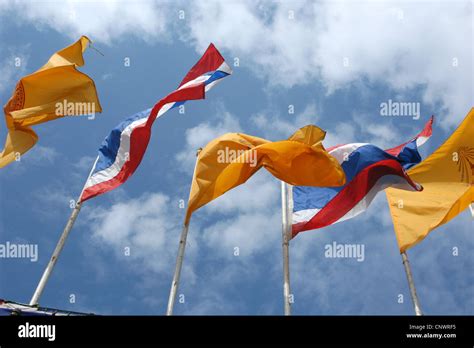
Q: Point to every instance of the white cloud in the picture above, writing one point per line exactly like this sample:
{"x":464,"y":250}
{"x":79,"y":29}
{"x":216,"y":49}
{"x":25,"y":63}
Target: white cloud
{"x":13,"y":67}
{"x":257,"y":194}
{"x":150,"y":227}
{"x":249,"y":232}
{"x":53,"y":202}
{"x":38,"y":156}
{"x":278,"y":127}
{"x":42,"y":154}
{"x":252,"y":217}
{"x":361,"y":129}
{"x":197,"y":137}
{"x":85,"y":163}
{"x":104,"y":21}
{"x":401,"y":44}
{"x":387,"y":41}
{"x":341,"y":133}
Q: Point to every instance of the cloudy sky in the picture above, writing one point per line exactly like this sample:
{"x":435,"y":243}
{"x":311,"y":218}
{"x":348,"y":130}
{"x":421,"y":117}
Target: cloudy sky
{"x":334,"y":63}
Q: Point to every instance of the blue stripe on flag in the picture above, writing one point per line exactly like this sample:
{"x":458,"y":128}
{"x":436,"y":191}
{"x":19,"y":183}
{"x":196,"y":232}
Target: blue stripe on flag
{"x":215,"y":75}
{"x":409,"y":156}
{"x":308,"y":197}
{"x":109,"y":148}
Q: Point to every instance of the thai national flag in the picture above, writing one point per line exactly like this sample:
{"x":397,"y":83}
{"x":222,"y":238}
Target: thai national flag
{"x":369,"y":170}
{"x":123,"y":149}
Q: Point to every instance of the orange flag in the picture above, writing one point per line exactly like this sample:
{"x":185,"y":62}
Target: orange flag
{"x":230,"y":160}
{"x":55,"y":90}
{"x":447,"y":176}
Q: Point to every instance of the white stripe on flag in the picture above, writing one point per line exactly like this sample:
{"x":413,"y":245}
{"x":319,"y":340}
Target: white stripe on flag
{"x":122,"y":156}
{"x":304,"y":215}
{"x":343,"y":152}
{"x":394,"y":181}
{"x":124,"y":148}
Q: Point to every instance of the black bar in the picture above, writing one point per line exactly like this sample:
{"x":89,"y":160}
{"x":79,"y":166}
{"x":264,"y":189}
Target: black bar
{"x":293,"y":330}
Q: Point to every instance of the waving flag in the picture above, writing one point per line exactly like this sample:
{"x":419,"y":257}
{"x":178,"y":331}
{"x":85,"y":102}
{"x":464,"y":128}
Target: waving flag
{"x":40,"y":97}
{"x":447,"y":176}
{"x":123,"y":149}
{"x":299,"y":160}
{"x":369,"y":170}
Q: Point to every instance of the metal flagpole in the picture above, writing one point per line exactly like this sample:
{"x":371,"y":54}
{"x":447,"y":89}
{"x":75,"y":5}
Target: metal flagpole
{"x":471,"y":207}
{"x":286,"y":211}
{"x":411,"y":284}
{"x":179,"y":260}
{"x":59,"y":247}
{"x":177,"y":271}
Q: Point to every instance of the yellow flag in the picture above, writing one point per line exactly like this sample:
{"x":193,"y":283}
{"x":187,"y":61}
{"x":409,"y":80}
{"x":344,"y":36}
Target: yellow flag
{"x":56,"y":90}
{"x":230,"y":160}
{"x":447,"y":177}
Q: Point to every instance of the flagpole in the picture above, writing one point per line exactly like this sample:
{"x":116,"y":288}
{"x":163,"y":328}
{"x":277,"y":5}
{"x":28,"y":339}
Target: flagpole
{"x":59,"y":246}
{"x":411,"y":284}
{"x":177,"y":271}
{"x":179,"y":258}
{"x":286,"y":207}
{"x":52,"y":262}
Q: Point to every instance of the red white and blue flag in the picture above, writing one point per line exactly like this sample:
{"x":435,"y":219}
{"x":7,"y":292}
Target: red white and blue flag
{"x":368,"y":170}
{"x":122,"y":151}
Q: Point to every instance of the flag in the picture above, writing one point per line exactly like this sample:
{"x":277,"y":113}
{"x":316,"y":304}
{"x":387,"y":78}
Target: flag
{"x":368,"y":170}
{"x":123,"y":149}
{"x":56,"y":90}
{"x":230,"y":160}
{"x":447,"y":176}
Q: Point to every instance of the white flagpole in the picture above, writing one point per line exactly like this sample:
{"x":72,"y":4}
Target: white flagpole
{"x":411,"y":284}
{"x":59,"y":247}
{"x":286,"y":211}
{"x":177,"y":271}
{"x":179,"y":260}
{"x":471,"y":207}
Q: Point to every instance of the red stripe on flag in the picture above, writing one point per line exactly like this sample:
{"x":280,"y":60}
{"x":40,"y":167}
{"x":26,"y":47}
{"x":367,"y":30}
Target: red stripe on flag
{"x":426,"y":132}
{"x":139,"y":139}
{"x":352,"y":194}
{"x":210,"y":61}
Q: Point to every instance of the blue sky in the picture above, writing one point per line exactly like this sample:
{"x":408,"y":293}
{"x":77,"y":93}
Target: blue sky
{"x":288,"y":54}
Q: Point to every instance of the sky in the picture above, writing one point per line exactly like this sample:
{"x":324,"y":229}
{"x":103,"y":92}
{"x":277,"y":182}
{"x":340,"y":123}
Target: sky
{"x":333,"y":62}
